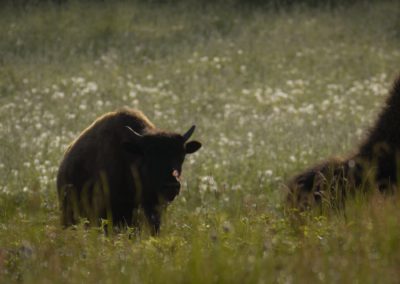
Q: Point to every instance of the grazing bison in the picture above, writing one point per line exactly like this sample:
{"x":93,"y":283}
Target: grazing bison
{"x":119,"y":164}
{"x":373,"y":165}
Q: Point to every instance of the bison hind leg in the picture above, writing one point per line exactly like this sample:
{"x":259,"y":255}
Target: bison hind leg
{"x":69,"y":205}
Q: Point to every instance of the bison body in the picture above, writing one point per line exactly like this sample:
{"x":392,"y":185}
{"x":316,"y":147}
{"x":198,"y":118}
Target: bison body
{"x":119,"y":164}
{"x":373,"y":165}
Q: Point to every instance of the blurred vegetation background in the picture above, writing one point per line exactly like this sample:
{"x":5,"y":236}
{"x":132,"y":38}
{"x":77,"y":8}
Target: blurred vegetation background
{"x":274,"y":4}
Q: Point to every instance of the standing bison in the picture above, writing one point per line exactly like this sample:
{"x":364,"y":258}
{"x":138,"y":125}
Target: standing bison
{"x":373,"y":165}
{"x":118,"y":165}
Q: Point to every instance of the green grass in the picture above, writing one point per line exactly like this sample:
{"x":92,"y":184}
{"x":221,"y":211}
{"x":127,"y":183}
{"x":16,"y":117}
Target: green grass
{"x":271,"y":93}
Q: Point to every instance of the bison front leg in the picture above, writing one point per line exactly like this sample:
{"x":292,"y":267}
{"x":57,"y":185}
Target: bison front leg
{"x":153,"y":216}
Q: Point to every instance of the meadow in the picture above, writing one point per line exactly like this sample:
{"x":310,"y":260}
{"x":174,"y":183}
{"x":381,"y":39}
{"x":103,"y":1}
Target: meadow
{"x":272,"y":91}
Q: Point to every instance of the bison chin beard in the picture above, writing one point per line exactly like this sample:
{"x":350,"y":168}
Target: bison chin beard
{"x":169,"y":191}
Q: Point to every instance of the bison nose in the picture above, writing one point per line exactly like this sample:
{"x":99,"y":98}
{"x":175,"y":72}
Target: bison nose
{"x":176,"y":174}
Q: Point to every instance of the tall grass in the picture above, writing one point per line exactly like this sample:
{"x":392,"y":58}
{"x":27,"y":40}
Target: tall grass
{"x":271,"y":92}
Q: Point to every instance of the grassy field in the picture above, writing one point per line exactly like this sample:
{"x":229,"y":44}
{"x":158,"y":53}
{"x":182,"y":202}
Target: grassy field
{"x":271,"y":93}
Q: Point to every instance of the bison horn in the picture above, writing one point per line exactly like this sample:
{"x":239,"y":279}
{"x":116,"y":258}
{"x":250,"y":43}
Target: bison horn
{"x":134,"y":132}
{"x":189,"y":133}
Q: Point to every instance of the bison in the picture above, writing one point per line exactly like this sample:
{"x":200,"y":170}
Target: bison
{"x":372,"y":165}
{"x":118,"y":165}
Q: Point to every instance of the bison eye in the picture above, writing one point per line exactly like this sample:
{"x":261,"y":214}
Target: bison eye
{"x":132,"y":148}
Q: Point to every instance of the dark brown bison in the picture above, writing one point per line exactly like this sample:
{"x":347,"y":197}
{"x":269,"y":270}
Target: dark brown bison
{"x":118,"y":165}
{"x":373,"y":164}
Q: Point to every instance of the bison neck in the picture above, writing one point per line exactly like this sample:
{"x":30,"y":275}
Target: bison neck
{"x":385,"y":134}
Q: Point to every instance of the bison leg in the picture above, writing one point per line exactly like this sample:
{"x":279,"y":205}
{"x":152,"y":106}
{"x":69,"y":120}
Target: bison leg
{"x":69,"y":205}
{"x":153,"y":216}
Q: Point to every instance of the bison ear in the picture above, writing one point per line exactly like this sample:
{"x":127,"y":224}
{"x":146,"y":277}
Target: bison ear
{"x":192,"y":146}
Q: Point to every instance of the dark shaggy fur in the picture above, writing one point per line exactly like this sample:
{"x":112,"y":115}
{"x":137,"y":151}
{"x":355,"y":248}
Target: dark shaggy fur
{"x":374,"y":164}
{"x":119,"y":164}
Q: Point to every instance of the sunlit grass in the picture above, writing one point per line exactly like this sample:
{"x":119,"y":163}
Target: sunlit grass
{"x":270,"y":92}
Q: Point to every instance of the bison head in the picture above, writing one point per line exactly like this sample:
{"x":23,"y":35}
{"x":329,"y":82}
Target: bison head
{"x":158,"y":158}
